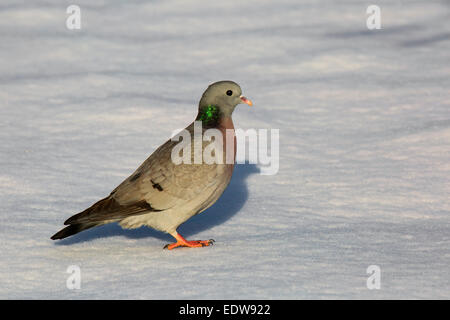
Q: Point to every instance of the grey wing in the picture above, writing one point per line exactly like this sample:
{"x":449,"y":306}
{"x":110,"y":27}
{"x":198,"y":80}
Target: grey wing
{"x":108,"y":209}
{"x":165,"y":185}
{"x":157,"y":185}
{"x":126,"y":200}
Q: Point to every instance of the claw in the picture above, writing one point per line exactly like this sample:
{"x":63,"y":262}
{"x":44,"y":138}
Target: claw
{"x":181,"y":242}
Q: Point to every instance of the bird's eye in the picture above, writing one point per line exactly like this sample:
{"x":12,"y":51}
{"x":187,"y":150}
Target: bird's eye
{"x":229,"y":93}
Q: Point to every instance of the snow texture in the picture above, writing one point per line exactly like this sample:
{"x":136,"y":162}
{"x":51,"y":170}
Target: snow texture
{"x":364,"y":119}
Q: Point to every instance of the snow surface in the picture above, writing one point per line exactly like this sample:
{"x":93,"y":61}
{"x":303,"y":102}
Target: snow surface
{"x":364,"y":119}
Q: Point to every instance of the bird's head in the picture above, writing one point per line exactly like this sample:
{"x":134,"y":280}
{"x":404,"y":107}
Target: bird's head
{"x":220,"y":99}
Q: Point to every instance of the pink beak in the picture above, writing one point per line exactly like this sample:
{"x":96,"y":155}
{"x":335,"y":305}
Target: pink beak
{"x":247,"y":101}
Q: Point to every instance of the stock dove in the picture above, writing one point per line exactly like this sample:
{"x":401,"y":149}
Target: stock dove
{"x":163,"y":194}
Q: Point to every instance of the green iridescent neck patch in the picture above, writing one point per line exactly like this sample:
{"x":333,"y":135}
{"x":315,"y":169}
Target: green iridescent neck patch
{"x":209,"y":115}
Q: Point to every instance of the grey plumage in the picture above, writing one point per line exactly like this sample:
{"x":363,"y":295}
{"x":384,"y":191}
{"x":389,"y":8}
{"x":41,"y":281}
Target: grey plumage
{"x":160,"y":193}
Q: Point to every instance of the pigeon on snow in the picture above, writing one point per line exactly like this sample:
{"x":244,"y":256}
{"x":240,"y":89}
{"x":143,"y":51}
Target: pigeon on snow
{"x":161,"y":194}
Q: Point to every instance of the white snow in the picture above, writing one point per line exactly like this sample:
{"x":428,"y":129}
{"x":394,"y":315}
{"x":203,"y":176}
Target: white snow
{"x":364,"y":119}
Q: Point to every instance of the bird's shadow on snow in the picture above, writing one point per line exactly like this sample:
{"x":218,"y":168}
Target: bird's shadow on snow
{"x":230,"y":203}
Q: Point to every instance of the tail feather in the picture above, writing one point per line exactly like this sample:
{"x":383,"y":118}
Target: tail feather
{"x":108,"y":209}
{"x":72,"y":229}
{"x":104,"y":211}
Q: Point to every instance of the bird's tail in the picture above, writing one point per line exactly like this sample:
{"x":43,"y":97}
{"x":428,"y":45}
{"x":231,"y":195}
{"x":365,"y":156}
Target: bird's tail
{"x":72,"y":229}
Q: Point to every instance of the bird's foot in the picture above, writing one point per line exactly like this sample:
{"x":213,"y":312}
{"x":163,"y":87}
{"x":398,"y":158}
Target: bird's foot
{"x":181,"y":242}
